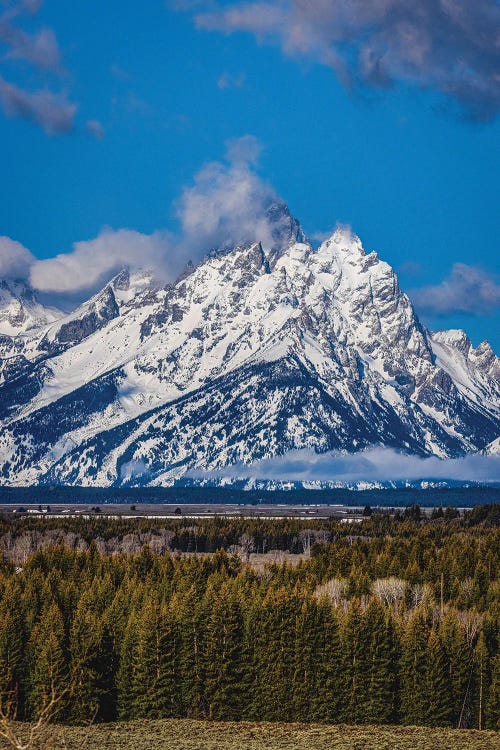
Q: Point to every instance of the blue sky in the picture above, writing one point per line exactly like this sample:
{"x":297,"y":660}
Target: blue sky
{"x":137,"y":99}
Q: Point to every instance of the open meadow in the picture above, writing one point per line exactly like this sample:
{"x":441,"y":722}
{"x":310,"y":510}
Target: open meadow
{"x":184,"y":734}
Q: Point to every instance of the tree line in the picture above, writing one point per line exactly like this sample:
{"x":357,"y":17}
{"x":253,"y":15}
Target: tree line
{"x":398,"y":623}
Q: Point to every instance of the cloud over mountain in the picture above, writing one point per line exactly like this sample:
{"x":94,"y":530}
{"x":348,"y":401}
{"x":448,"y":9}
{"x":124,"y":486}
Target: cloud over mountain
{"x":226,"y":204}
{"x":15,"y":259}
{"x":92,"y":262}
{"x":449,"y":46}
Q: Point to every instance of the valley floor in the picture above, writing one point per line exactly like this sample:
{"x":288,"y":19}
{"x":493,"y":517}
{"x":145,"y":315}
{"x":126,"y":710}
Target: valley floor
{"x":184,"y":734}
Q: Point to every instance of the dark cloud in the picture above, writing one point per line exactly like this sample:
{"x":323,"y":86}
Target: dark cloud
{"x":40,"y":49}
{"x":467,"y":289}
{"x":49,"y":109}
{"x":53,"y":112}
{"x":451,"y":46}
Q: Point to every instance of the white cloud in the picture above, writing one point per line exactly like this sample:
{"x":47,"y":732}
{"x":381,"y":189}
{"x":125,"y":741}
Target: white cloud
{"x":133,"y":469}
{"x":467,"y":289}
{"x":376,"y":464}
{"x":15,"y":259}
{"x":226,"y":204}
{"x":228,"y":201}
{"x":92,"y":262}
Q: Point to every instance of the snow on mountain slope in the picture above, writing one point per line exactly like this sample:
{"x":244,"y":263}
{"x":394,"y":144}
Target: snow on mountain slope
{"x":254,"y":352}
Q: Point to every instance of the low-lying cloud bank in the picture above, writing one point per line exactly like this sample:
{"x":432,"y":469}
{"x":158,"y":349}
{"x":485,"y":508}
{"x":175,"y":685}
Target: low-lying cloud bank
{"x":449,"y":46}
{"x":375,"y":464}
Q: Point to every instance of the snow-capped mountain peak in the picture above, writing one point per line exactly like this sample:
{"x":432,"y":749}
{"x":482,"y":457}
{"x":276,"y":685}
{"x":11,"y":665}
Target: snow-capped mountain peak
{"x":20,"y":310}
{"x":257,"y":350}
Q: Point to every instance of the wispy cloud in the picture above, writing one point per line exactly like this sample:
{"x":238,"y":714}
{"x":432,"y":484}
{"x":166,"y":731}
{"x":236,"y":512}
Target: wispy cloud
{"x":231,"y":80}
{"x":40,"y":49}
{"x":228,"y":201}
{"x":46,"y":106}
{"x":53,"y":112}
{"x":467,"y":289}
{"x":376,"y":464}
{"x":95,"y":129}
{"x":450,"y":46}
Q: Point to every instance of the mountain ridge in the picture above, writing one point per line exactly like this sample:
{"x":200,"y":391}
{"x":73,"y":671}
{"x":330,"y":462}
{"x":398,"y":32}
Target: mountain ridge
{"x":252,"y":352}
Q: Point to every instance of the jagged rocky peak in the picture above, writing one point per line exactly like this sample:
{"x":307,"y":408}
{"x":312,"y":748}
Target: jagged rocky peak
{"x":260,"y":348}
{"x":131,"y":285}
{"x":370,"y":303}
{"x":285,"y":231}
{"x":20,"y":309}
{"x":456,"y":338}
{"x":482,"y":357}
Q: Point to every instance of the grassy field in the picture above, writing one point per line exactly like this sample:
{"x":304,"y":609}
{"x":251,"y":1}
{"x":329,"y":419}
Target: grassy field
{"x":201,"y":735}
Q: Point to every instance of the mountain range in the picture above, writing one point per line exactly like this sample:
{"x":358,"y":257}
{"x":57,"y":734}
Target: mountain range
{"x":253,"y":352}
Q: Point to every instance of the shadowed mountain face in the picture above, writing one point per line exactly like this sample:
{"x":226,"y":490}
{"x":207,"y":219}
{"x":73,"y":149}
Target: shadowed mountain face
{"x":254,"y":352}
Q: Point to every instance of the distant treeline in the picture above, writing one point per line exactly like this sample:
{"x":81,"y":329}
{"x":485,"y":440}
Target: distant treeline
{"x":397,"y":621}
{"x":398,"y":497}
{"x":22,"y":535}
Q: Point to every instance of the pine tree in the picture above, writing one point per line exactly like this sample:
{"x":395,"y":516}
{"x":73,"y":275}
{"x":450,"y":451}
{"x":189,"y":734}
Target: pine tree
{"x":356,"y":642}
{"x":49,"y":683}
{"x":460,"y":666}
{"x":306,"y":659}
{"x":328,"y":691}
{"x":11,"y":659}
{"x":124,"y":674}
{"x":191,"y":615}
{"x":154,"y":683}
{"x":225,"y":658}
{"x":481,"y":683}
{"x":381,"y":666}
{"x":274,"y":656}
{"x":492,"y":713}
{"x":439,"y":708}
{"x":86,"y":663}
{"x":413,"y":669}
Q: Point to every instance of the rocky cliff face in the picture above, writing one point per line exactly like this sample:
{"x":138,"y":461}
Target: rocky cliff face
{"x":252,"y":353}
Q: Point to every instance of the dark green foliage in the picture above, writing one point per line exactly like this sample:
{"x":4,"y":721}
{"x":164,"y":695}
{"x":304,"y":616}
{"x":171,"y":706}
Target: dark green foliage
{"x":439,"y":698}
{"x":147,"y":635}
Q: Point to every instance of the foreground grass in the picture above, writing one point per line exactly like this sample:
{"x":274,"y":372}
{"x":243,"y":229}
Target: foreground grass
{"x":184,"y":734}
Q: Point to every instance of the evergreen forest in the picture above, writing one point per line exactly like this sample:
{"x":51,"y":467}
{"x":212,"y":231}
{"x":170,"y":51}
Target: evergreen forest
{"x":396,"y":621}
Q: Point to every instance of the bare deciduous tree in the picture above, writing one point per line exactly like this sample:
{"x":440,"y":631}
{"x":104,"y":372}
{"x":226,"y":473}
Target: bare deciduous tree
{"x":38,"y":734}
{"x":472,"y":622}
{"x":336,"y":590}
{"x":420,"y":594}
{"x":389,"y":590}
{"x":246,"y":545}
